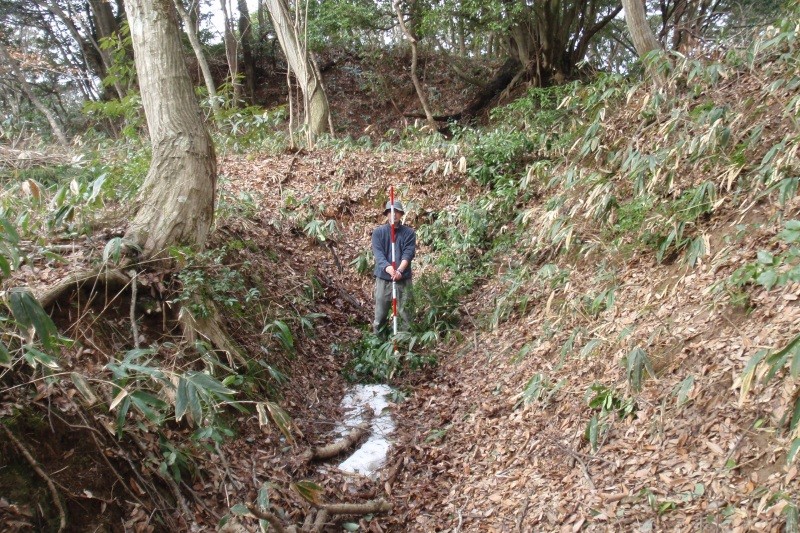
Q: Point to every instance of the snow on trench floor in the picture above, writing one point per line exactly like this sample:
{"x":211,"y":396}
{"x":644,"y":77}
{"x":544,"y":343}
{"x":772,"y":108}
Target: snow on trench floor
{"x":368,"y":459}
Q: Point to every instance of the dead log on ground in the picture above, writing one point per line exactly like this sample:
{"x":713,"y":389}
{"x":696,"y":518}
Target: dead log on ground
{"x":338,"y":447}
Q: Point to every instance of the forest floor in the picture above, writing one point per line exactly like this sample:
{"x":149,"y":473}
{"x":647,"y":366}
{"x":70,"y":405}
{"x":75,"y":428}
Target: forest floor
{"x":471,"y":451}
{"x":528,"y":422}
{"x":472,"y":454}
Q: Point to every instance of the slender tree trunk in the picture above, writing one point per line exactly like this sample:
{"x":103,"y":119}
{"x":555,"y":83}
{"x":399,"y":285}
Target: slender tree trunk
{"x":462,"y":39}
{"x":316,"y":101}
{"x":246,"y":35}
{"x":262,"y":22}
{"x":191,"y":32}
{"x":231,"y":52}
{"x":423,"y":100}
{"x":635,"y":17}
{"x":176,"y":202}
{"x":96,"y":62}
{"x":16,"y":71}
{"x":106,"y":26}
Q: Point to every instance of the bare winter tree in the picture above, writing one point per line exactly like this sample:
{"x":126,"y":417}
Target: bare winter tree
{"x":317,"y":112}
{"x":246,"y":38}
{"x":190,"y":27}
{"x":176,"y":202}
{"x":13,"y":67}
{"x":412,"y":39}
{"x":231,"y":51}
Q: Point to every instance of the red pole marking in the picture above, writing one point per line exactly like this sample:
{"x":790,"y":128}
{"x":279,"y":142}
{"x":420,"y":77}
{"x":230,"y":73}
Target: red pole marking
{"x":394,"y":267}
{"x":391,"y":200}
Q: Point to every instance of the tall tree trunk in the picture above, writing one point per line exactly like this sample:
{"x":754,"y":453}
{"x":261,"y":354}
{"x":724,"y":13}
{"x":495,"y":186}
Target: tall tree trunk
{"x":423,"y":100}
{"x":16,"y":71}
{"x":190,"y":28}
{"x":246,"y":35}
{"x":176,"y":202}
{"x":316,"y":102}
{"x":635,"y":17}
{"x":231,"y":52}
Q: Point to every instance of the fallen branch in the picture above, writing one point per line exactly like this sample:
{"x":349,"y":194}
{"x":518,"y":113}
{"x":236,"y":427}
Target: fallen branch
{"x":391,"y":474}
{"x":328,"y":282}
{"x":273,"y":520}
{"x":336,"y":260}
{"x":334,"y":449}
{"x":319,"y":523}
{"x":325,"y":510}
{"x":15,"y":158}
{"x":62,"y":516}
{"x":374,"y":506}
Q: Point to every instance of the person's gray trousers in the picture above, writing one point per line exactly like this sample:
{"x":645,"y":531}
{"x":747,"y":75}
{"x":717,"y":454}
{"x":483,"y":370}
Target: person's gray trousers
{"x":383,"y":303}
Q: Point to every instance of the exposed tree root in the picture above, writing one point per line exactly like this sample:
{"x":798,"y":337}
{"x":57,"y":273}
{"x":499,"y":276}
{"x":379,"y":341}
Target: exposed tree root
{"x":109,"y":278}
{"x":505,"y":77}
{"x":180,"y":501}
{"x":334,"y":449}
{"x":62,"y":516}
{"x":318,"y":518}
{"x":210,"y":329}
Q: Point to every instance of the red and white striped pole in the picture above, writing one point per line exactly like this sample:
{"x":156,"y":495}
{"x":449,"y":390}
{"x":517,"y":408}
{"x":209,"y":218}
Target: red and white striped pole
{"x":394,"y":265}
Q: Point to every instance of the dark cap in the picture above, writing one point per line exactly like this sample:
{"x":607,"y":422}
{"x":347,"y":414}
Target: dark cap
{"x":397,"y":207}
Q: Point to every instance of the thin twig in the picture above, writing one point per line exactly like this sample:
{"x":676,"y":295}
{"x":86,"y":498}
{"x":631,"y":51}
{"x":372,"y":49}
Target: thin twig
{"x":62,"y":523}
{"x":134,"y":327}
{"x":522,"y":514}
{"x":94,"y":432}
{"x":180,"y":501}
{"x":226,"y":466}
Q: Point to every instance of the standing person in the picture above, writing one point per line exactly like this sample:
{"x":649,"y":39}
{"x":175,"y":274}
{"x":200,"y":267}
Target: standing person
{"x":405,"y":249}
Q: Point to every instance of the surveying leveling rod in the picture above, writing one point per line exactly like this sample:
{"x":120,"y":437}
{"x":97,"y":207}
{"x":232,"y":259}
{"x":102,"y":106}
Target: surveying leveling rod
{"x":394,"y":268}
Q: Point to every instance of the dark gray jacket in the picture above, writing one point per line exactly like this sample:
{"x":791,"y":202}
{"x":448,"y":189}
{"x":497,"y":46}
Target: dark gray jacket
{"x":405,"y":248}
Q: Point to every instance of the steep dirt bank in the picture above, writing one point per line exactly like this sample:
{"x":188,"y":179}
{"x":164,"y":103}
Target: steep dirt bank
{"x":479,"y":456}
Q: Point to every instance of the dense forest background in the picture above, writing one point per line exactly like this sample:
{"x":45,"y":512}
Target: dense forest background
{"x":606,"y":328}
{"x":68,"y":66}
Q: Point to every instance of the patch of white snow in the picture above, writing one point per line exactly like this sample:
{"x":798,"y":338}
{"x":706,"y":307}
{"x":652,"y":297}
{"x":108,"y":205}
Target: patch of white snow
{"x":368,"y":459}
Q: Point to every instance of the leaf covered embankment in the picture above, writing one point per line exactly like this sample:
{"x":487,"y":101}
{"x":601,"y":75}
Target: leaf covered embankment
{"x":613,"y":381}
{"x":209,"y":428}
{"x":614,"y":234}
